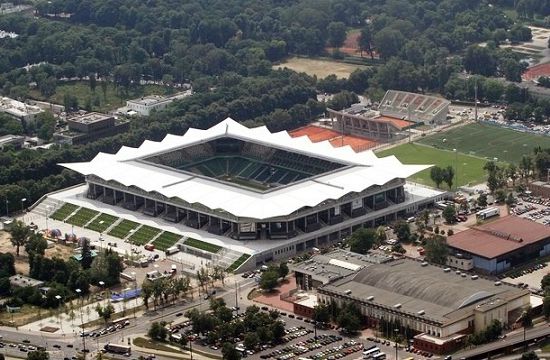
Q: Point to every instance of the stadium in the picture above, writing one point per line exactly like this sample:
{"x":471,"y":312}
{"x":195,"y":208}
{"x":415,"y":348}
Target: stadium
{"x":267,"y":195}
{"x":397,"y":112}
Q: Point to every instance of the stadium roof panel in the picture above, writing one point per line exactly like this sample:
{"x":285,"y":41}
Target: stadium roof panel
{"x":364,"y":170}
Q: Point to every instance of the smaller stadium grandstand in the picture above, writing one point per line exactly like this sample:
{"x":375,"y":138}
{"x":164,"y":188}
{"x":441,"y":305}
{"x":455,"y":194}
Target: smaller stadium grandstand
{"x":417,"y":108}
{"x":397,"y":112}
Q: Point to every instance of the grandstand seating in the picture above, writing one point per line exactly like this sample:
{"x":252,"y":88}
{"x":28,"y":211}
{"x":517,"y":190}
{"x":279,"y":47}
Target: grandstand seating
{"x":422,"y":108}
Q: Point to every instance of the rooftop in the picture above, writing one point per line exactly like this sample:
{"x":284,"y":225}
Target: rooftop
{"x":363,"y":170}
{"x":337,"y":264}
{"x":90,"y":118}
{"x":155,"y":99}
{"x":421,"y":290}
{"x":499,"y":237}
{"x":24,"y":281}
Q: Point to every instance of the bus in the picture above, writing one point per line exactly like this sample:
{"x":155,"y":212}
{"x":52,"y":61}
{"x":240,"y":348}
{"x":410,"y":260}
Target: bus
{"x":367,"y":354}
{"x":379,"y":356}
{"x":118,"y":349}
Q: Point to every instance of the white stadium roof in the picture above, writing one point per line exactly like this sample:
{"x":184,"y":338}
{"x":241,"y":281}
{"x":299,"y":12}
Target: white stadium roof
{"x":365,"y":170}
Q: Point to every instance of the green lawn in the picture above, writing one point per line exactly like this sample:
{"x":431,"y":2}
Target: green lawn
{"x":102,"y":222}
{"x":112,"y":100}
{"x":488,"y":141}
{"x":469,"y":169}
{"x":123,"y":228}
{"x":202,"y":245}
{"x":64,"y":211}
{"x":82,"y":217}
{"x":166,"y":240}
{"x":238,"y":262}
{"x":143,"y":235}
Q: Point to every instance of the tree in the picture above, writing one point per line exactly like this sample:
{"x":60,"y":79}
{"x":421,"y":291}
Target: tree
{"x":278,"y":331}
{"x":105,"y":311}
{"x":365,"y":39}
{"x":36,"y":245}
{"x":436,"y":250}
{"x":545,"y":282}
{"x":269,"y":279}
{"x":531,"y":355}
{"x":229,"y":352}
{"x":349,"y":318}
{"x":283,"y":270}
{"x":251,"y":340}
{"x":362,"y":240}
{"x":46,"y":122}
{"x":19,"y":235}
{"x":449,"y":214}
{"x":448,"y":176}
{"x":158,"y":331}
{"x":437,"y":176}
{"x":546,"y":306}
{"x":388,"y":42}
{"x":402,"y":230}
{"x":512,"y":173}
{"x":336,"y":34}
{"x":93,"y":82}
{"x":482,"y":200}
{"x":527,"y":318}
{"x":38,"y":355}
{"x":86,"y":252}
{"x":321,"y":313}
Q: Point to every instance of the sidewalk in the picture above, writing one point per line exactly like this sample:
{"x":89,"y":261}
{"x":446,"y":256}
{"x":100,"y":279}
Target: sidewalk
{"x":183,"y":355}
{"x":68,"y":324}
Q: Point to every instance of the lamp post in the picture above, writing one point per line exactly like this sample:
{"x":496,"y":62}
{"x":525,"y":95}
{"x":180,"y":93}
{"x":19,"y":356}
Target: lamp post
{"x":102,"y":285}
{"x":133,"y":273}
{"x":79,"y":292}
{"x":456,"y":166}
{"x":58,"y":297}
{"x":23,"y":204}
{"x":396,"y":331}
{"x":236,"y":298}
{"x":48,"y":207}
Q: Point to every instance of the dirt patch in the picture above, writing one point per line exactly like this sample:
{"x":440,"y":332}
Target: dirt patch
{"x":22,"y":261}
{"x":320,"y":68}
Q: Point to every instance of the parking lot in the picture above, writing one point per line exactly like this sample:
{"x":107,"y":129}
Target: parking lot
{"x":533,"y":208}
{"x":299,"y":341}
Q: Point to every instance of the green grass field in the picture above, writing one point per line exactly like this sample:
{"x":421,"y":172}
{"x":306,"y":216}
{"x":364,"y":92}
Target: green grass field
{"x":100,"y":102}
{"x":202,"y":245}
{"x":238,"y":262}
{"x":469,"y":169}
{"x":123,"y":228}
{"x":63,"y":212}
{"x":488,"y":141}
{"x":102,"y":222}
{"x":82,"y":217}
{"x":166,"y":240}
{"x":143,"y":235}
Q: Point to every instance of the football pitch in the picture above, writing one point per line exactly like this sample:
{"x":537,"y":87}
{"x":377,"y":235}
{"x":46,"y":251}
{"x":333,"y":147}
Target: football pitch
{"x":488,"y":141}
{"x":468,"y":169}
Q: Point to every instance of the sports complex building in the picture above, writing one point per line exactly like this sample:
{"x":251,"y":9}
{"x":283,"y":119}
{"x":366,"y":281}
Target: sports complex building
{"x":434,"y":306}
{"x":501,"y":244}
{"x":264,"y":194}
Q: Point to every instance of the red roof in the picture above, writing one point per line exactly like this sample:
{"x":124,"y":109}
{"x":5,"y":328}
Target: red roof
{"x":499,"y":237}
{"x":398,"y":123}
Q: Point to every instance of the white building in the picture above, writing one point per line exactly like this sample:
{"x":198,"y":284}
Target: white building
{"x":143,"y":106}
{"x":24,"y":112}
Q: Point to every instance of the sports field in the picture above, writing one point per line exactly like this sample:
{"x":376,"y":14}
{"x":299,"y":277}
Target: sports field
{"x":320,"y":68}
{"x":469,"y":169}
{"x":488,"y":141}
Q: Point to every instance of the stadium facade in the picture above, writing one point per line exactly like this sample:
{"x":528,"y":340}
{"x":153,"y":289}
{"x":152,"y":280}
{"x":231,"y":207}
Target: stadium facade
{"x":249,"y":185}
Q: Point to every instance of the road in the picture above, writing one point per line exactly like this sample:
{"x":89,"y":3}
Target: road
{"x":70,"y":344}
{"x":511,"y":341}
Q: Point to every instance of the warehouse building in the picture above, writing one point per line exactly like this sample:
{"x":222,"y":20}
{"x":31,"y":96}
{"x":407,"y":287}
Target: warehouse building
{"x":435,"y":306}
{"x":502,"y":244}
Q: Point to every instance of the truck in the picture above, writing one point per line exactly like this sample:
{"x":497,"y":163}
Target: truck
{"x":172,"y":250}
{"x":118,"y":349}
{"x":487,"y":213}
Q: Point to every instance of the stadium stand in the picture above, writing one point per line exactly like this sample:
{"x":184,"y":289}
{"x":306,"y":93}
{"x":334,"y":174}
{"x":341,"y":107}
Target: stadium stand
{"x":422,"y":108}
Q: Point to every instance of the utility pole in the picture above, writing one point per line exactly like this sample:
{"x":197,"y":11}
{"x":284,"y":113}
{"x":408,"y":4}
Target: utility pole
{"x":475,"y":99}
